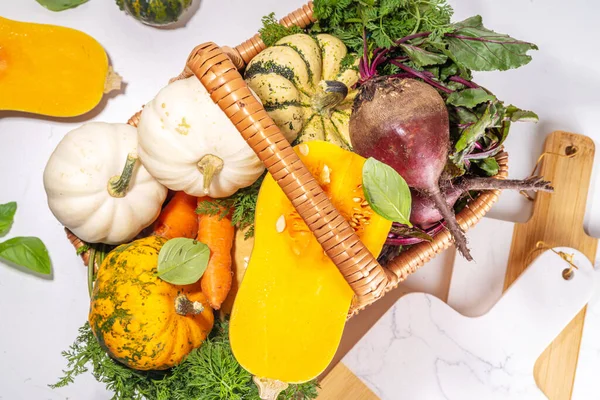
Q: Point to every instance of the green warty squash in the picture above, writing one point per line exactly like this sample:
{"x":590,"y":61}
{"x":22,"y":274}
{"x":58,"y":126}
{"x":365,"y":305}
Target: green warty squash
{"x":155,"y":12}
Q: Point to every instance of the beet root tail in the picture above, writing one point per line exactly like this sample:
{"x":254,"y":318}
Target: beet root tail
{"x":534,"y":183}
{"x":460,"y":240}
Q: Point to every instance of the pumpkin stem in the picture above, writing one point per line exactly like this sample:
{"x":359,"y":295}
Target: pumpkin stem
{"x":183,"y":306}
{"x":330,"y":94}
{"x":269,"y":389}
{"x":118,"y":184}
{"x":113,"y":81}
{"x":209,"y":166}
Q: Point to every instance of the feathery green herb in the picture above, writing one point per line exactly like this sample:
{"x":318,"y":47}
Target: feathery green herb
{"x":272,"y":31}
{"x":209,"y":372}
{"x":384,"y":21}
{"x":243,"y":204}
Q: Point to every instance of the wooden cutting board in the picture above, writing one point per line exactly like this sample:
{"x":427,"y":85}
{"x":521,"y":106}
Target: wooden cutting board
{"x":557,"y":221}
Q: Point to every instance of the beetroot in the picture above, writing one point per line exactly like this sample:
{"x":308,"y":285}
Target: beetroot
{"x":404,"y":123}
{"x":424,"y":213}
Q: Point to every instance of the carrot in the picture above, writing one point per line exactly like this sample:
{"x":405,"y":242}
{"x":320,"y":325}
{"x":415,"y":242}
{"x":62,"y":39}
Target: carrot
{"x":178,"y":218}
{"x":217,"y":233}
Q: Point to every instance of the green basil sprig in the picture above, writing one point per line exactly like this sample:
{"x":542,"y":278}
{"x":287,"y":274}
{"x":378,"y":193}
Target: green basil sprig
{"x":386,"y":191}
{"x":60,"y":5}
{"x":25,"y":251}
{"x":7,"y":215}
{"x":182,"y":261}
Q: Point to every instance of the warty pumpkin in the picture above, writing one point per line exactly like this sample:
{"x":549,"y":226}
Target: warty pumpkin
{"x":291,"y":307}
{"x":305,"y":87}
{"x":51,"y":70}
{"x":155,"y":12}
{"x":141,"y":320}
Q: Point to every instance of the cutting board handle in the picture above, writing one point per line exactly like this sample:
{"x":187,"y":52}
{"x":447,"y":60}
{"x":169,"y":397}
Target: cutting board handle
{"x":568,"y":163}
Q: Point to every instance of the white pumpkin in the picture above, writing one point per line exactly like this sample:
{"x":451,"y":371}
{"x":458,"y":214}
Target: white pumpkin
{"x":97,"y":188}
{"x":187,"y":143}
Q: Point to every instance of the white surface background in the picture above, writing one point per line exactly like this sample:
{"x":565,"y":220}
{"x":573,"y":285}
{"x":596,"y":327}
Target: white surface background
{"x":39,"y":317}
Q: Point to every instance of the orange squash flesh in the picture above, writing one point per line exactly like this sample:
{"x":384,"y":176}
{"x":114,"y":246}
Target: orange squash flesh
{"x":291,"y":308}
{"x":50,"y":70}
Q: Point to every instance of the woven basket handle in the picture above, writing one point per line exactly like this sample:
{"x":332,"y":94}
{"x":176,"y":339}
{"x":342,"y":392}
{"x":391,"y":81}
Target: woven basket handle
{"x":229,"y":91}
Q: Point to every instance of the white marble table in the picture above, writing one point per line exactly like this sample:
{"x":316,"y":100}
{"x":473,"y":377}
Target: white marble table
{"x":39,"y":318}
{"x":401,"y":348}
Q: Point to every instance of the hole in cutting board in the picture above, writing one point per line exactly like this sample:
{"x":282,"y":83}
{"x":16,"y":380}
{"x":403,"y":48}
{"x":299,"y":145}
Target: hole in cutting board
{"x":570,"y":150}
{"x":568,"y":274}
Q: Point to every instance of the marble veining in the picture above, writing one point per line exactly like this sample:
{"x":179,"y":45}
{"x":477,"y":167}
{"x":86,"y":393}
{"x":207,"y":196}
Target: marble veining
{"x":424,"y":350}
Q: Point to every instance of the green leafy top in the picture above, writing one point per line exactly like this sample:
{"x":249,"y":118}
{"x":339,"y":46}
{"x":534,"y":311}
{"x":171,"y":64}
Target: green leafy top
{"x":209,"y":372}
{"x":272,"y":31}
{"x":383,"y":21}
{"x":243,"y":203}
{"x":415,"y":39}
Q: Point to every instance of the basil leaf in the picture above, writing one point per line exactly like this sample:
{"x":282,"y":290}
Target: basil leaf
{"x":182,"y":261}
{"x":481,"y":49}
{"x":515,"y":114}
{"x":28,"y":252}
{"x":488,"y":165}
{"x":386,"y":191}
{"x":422,"y":57}
{"x":60,"y":5}
{"x":7,"y":215}
{"x":470,"y":97}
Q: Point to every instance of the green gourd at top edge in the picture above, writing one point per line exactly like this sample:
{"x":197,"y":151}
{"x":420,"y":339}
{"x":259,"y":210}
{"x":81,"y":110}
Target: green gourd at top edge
{"x":155,"y":12}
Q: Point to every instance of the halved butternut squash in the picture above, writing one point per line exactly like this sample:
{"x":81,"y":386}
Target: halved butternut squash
{"x":51,"y":70}
{"x":291,"y":308}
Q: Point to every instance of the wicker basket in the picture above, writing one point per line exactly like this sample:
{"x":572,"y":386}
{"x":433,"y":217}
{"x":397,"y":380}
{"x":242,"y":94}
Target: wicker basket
{"x":217,"y":68}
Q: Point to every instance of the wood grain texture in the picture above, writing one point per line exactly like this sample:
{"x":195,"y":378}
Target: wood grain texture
{"x":558,"y":221}
{"x":341,"y":383}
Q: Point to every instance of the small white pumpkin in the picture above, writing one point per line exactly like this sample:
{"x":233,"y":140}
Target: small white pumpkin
{"x":97,"y":188}
{"x":187,"y":143}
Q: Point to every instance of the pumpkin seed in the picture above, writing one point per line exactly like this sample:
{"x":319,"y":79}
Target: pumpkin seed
{"x":303,"y":148}
{"x":280,"y":224}
{"x":326,"y":174}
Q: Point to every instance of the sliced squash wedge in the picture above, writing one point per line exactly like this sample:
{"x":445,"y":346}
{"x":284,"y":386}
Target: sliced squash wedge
{"x":51,"y":70}
{"x":291,"y":307}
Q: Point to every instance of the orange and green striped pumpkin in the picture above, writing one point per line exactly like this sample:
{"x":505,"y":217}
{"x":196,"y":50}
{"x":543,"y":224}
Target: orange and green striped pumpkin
{"x":141,"y":320}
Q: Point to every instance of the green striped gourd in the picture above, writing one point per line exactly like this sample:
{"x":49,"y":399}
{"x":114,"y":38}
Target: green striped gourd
{"x":305,"y":88}
{"x":155,"y":12}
